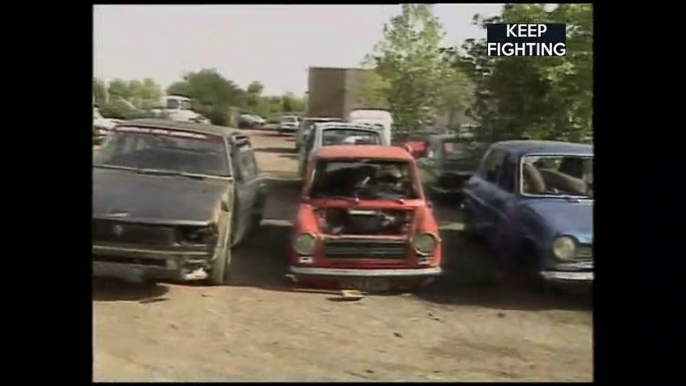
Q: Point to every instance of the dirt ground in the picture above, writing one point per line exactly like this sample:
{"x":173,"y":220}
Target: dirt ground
{"x":464,"y":328}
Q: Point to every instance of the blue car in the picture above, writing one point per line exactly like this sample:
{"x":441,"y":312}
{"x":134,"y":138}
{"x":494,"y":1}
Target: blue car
{"x":532,"y":202}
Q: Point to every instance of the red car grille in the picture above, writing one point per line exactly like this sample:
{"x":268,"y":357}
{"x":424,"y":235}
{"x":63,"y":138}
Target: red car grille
{"x":365,"y":249}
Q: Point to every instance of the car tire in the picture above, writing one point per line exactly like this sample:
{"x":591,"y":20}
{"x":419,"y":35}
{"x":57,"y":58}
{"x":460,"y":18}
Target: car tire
{"x":525,"y":270}
{"x":219,"y":272}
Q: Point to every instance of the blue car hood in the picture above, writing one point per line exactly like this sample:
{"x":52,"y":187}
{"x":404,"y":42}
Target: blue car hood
{"x":565,"y":217}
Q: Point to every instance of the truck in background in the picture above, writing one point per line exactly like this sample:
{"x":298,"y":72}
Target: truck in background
{"x":334,"y":93}
{"x":375,"y":117}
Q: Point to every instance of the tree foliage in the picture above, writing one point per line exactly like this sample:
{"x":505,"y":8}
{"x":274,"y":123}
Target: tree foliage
{"x":534,"y":97}
{"x":408,"y":62}
{"x":214,"y":96}
{"x":99,"y":91}
{"x":409,"y":73}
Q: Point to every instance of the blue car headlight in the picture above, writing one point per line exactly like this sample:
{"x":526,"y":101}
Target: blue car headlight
{"x":564,"y":248}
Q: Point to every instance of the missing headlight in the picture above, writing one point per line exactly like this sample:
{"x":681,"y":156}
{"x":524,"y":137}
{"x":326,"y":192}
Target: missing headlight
{"x":207,"y":235}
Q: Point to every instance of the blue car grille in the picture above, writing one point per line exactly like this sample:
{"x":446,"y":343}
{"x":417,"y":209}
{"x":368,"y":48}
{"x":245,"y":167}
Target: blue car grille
{"x":585,"y":252}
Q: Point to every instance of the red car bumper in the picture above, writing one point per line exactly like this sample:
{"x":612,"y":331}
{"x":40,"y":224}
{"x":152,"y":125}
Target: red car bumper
{"x":365,"y":279}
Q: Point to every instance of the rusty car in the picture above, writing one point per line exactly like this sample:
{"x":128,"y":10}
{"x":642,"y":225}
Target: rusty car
{"x":363,"y":222}
{"x":447,"y":163}
{"x":170,"y":199}
{"x":532,"y":202}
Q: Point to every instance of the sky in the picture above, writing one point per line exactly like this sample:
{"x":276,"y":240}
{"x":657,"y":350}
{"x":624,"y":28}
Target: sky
{"x":272,"y":44}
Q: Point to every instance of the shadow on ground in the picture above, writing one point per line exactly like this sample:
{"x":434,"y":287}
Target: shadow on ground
{"x":261,"y":260}
{"x":111,"y":290}
{"x":469,"y":281}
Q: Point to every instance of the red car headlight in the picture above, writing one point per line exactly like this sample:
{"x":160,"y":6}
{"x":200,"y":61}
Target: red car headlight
{"x":305,"y":244}
{"x":425,"y":243}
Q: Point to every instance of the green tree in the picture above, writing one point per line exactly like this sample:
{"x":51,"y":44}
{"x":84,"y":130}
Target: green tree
{"x":213,"y":93}
{"x":409,"y":61}
{"x":373,"y":89}
{"x":99,"y":91}
{"x":292,"y":104}
{"x":534,"y":97}
{"x":119,"y":88}
{"x":254,"y":103}
{"x":144,"y":94}
{"x":255,"y":88}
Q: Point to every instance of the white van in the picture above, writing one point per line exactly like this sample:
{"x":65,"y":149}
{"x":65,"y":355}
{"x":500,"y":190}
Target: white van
{"x":178,"y":108}
{"x":377,"y":117}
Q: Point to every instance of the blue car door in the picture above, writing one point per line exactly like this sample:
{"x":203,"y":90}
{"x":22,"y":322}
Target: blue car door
{"x":490,"y":194}
{"x":480,"y":191}
{"x":503,"y":199}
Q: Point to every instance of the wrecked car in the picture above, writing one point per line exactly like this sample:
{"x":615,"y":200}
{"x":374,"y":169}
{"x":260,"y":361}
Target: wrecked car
{"x":447,"y":163}
{"x":416,"y":142}
{"x":170,"y":199}
{"x":338,"y":133}
{"x":532,"y":202}
{"x":363,"y":222}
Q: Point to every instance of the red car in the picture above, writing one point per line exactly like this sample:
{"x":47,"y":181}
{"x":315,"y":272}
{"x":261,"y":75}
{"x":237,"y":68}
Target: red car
{"x":415,"y":143}
{"x":364,"y":223}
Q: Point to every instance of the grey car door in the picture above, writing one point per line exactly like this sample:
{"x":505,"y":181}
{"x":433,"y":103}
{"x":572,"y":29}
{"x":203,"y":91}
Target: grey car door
{"x":250,"y":189}
{"x":504,"y":198}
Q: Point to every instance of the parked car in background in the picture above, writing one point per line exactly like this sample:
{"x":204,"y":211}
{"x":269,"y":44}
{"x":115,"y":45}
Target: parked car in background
{"x":447,"y":163}
{"x":102,"y":126}
{"x":288,"y":124}
{"x":337,"y":133}
{"x":363,"y":222}
{"x":306,"y":127}
{"x":170,"y":199}
{"x":177,"y":108}
{"x":532,"y":201}
{"x":259,"y":120}
{"x":415,"y":142}
{"x":248,"y":121}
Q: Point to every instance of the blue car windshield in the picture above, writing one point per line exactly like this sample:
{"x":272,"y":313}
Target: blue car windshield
{"x":557,"y":175}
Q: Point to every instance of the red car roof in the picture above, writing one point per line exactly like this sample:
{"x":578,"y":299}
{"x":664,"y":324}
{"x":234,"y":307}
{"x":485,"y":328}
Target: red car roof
{"x":363,"y":151}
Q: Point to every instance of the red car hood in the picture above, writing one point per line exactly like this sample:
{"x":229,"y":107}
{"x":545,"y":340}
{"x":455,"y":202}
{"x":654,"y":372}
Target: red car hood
{"x":307,"y":222}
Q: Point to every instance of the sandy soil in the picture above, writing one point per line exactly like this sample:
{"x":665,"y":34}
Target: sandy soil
{"x":464,"y":328}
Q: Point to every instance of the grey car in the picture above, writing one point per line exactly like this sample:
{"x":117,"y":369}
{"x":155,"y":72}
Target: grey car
{"x":306,"y":127}
{"x":338,"y":133}
{"x":170,"y":199}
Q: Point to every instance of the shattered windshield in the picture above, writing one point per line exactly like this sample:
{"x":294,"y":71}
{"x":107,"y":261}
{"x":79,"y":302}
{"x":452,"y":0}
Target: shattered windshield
{"x":369,"y":179}
{"x":164,"y":150}
{"x":350,"y":136}
{"x":558,"y":175}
